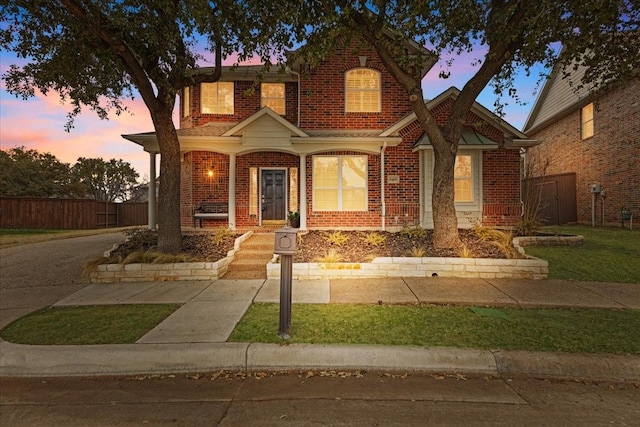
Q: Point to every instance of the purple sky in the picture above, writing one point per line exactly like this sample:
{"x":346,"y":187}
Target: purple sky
{"x":38,"y":123}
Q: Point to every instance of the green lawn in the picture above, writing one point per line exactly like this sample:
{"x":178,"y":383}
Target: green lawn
{"x":101,"y":324}
{"x":579,"y":331}
{"x":607,"y":255}
{"x":21,"y":236}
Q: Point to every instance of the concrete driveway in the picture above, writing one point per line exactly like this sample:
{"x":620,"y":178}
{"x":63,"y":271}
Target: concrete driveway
{"x":36,"y":275}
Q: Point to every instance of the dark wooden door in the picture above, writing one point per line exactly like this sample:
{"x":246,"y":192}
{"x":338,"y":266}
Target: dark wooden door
{"x":273,"y":195}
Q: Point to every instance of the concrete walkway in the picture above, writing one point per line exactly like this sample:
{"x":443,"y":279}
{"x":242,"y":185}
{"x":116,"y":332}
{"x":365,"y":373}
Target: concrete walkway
{"x":194,"y":337}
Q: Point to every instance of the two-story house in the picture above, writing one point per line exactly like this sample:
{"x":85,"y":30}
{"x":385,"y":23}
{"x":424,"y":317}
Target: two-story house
{"x":338,"y":143}
{"x":594,"y":136}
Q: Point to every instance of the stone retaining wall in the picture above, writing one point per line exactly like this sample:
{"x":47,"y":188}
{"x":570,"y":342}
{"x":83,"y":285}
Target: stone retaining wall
{"x":486,"y":268}
{"x":115,"y":273}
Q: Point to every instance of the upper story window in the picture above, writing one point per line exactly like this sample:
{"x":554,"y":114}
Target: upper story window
{"x":216,"y":98}
{"x":272,"y":96}
{"x":362,"y":91}
{"x":186,"y":101}
{"x":587,"y":121}
{"x":463,"y":179}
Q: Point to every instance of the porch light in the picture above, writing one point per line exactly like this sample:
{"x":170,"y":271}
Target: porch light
{"x":210,"y":172}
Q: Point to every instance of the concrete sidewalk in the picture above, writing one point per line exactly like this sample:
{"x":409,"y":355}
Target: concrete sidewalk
{"x":194,"y":337}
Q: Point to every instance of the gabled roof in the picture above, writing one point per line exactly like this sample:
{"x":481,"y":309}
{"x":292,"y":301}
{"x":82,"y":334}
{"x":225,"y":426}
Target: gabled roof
{"x":560,"y":96}
{"x":469,"y":138}
{"x":512,"y":136}
{"x":264,"y":111}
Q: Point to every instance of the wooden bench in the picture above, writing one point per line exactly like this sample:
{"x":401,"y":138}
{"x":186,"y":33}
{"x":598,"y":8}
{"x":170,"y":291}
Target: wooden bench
{"x":210,"y":210}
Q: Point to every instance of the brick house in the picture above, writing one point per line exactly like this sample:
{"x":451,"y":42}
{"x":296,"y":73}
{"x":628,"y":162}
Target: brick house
{"x":594,"y":135}
{"x":337,"y":142}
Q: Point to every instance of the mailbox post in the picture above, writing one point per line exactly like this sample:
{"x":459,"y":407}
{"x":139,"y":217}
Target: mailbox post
{"x":285,"y":246}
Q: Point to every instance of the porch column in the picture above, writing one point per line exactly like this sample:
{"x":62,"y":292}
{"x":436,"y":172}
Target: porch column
{"x":232,"y":191}
{"x":303,"y":191}
{"x":152,"y":206}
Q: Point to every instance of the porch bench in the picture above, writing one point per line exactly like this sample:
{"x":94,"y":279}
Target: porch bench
{"x":210,"y":210}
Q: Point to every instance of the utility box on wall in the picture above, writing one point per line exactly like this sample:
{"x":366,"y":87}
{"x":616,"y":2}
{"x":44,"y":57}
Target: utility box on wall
{"x":286,"y":241}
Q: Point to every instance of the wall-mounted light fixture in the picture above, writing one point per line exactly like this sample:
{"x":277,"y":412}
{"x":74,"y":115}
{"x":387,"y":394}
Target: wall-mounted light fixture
{"x":210,"y":172}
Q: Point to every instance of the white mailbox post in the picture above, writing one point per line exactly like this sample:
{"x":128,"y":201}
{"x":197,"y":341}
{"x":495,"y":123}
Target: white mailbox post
{"x":285,"y":246}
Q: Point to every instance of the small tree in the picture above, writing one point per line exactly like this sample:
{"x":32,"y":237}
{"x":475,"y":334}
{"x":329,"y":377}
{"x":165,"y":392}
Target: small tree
{"x":105,"y":180}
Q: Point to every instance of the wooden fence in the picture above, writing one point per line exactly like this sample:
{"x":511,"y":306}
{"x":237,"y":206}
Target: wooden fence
{"x":69,"y":214}
{"x":557,"y":197}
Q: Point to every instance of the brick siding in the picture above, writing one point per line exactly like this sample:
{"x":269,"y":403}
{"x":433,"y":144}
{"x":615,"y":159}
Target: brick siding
{"x":611,"y":157}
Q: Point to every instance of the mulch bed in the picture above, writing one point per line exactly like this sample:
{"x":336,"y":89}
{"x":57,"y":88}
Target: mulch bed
{"x":316,"y":244}
{"x":205,"y":247}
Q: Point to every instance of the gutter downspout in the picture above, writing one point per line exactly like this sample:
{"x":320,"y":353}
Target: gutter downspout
{"x":382,"y":195}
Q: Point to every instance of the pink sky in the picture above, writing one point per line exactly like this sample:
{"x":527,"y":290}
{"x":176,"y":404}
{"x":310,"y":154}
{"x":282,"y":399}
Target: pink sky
{"x":38,"y":123}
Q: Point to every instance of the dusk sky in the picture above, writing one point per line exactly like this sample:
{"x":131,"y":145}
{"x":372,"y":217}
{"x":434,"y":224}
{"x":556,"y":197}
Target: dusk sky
{"x":38,"y":123}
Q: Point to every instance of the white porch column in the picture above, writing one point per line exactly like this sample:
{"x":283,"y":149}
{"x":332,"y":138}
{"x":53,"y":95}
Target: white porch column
{"x":303,"y":191}
{"x":152,"y":191}
{"x":232,"y":191}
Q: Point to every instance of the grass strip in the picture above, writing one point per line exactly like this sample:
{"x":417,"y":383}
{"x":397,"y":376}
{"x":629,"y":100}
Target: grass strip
{"x":564,"y":330}
{"x":100,"y":324}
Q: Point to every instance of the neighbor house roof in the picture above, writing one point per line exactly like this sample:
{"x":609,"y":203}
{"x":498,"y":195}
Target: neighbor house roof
{"x":560,"y":96}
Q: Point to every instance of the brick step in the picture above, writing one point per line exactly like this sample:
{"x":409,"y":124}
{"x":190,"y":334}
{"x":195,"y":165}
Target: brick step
{"x":246,"y":266}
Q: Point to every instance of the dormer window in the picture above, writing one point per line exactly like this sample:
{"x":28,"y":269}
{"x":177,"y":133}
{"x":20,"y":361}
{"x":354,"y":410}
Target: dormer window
{"x":216,"y":98}
{"x":362,"y":91}
{"x":272,"y":96}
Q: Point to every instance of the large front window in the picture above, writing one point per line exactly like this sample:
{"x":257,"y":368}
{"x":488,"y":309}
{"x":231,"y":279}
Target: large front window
{"x":362,"y":91}
{"x":216,"y":98}
{"x":340,"y":183}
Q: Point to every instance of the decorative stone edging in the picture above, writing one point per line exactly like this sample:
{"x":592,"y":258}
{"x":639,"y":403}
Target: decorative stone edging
{"x":486,"y":268}
{"x":116,"y":273}
{"x":520,"y":242}
{"x":483,"y":268}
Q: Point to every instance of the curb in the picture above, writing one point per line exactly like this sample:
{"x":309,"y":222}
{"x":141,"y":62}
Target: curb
{"x":126,"y":359}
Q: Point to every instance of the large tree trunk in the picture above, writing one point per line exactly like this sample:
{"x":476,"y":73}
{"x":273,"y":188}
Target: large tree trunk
{"x":169,"y":230}
{"x":445,"y":221}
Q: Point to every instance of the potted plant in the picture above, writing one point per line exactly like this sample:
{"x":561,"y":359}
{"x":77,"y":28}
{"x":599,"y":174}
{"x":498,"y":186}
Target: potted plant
{"x":294,"y":219}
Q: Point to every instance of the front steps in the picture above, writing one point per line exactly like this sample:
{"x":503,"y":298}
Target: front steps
{"x":250,"y":262}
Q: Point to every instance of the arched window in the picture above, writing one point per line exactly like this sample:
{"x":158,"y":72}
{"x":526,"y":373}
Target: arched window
{"x":362,"y":91}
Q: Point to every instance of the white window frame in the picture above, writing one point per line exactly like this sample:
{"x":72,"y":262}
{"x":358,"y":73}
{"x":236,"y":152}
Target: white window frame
{"x":340,"y":188}
{"x":348,"y":92}
{"x":216,"y":108}
{"x":470,"y":178}
{"x":265,"y":101}
{"x":186,"y":102}
{"x":587,"y":125}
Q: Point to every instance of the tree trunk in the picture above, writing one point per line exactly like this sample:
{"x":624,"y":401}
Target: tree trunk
{"x":445,"y":221}
{"x":169,"y":229}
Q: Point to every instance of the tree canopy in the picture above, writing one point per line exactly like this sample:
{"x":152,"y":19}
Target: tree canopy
{"x":29,"y":173}
{"x":112,"y":180}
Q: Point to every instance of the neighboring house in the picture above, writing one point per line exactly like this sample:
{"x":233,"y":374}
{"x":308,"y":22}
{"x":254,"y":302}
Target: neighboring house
{"x":594,"y":135}
{"x":337,"y":142}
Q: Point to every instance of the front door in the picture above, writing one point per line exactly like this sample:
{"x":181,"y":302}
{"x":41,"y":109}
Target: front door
{"x":273,"y":195}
